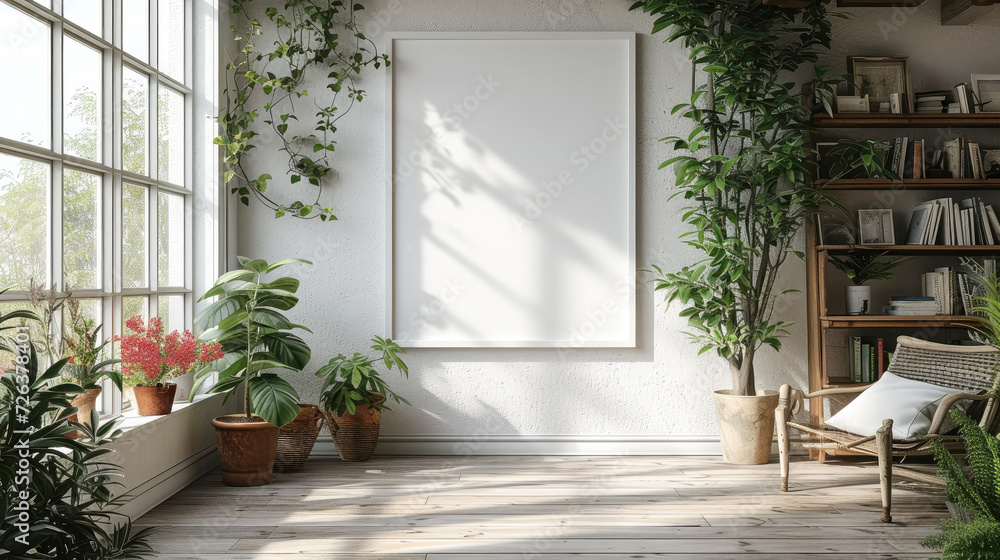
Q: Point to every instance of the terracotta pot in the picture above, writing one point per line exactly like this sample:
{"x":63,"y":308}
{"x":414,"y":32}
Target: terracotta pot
{"x":746,"y":426}
{"x":155,"y":400}
{"x":356,"y":435}
{"x":246,"y":449}
{"x":85,"y":404}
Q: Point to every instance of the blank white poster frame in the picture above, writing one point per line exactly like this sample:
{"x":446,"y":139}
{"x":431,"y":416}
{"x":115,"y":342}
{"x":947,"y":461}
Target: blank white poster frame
{"x":510,"y":189}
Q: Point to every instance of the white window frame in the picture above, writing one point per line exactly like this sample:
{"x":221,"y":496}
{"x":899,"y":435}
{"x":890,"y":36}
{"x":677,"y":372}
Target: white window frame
{"x":209,"y":188}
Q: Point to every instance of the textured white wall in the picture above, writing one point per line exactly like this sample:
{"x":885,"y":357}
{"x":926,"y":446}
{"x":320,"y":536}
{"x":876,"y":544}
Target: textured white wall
{"x":660,"y":388}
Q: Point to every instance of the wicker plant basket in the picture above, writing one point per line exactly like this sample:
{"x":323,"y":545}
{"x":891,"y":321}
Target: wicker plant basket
{"x":296,"y":439}
{"x":356,"y":435}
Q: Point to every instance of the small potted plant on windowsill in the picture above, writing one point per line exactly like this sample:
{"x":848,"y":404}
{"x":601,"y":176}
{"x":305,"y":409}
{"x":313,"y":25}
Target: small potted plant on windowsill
{"x":354,"y":395}
{"x":84,"y":348}
{"x":257,"y":340}
{"x":860,"y":268}
{"x":151,"y":359}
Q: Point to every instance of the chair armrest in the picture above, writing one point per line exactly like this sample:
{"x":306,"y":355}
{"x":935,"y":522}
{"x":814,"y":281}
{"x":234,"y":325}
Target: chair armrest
{"x":946,"y":403}
{"x":837,"y":391}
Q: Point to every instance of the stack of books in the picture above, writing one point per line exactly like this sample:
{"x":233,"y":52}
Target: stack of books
{"x":945,"y":222}
{"x":933,"y":101}
{"x":911,"y":306}
{"x":867,"y":359}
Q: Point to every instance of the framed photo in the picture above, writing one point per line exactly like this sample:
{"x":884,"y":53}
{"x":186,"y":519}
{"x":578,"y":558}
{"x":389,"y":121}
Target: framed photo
{"x":875,"y":227}
{"x":880,"y":76}
{"x":987,"y":90}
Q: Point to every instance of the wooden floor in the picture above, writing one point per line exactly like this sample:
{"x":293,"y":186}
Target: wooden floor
{"x":547,"y":508}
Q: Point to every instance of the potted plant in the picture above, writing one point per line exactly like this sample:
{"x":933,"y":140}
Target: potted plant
{"x":84,"y":348}
{"x":151,"y":359}
{"x":744,"y":169}
{"x":354,"y":395}
{"x":860,"y":268}
{"x":258,"y":340}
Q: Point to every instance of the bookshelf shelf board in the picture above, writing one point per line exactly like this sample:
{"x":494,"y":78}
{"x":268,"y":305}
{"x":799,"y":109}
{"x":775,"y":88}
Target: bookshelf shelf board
{"x":906,"y":120}
{"x":909,"y":184}
{"x":896,"y":321}
{"x":926,"y":250}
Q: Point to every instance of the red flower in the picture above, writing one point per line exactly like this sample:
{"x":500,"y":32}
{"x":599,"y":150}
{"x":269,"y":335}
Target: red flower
{"x":149,"y":357}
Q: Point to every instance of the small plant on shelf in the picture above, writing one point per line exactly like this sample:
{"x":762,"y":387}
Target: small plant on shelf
{"x":862,"y":267}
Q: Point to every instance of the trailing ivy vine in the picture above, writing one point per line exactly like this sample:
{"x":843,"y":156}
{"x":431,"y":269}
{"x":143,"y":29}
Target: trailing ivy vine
{"x":315,"y":39}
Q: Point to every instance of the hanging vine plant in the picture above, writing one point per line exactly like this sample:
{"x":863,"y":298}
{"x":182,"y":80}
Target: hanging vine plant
{"x":314,"y":38}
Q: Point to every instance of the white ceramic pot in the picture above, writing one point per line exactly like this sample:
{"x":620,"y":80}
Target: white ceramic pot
{"x":858,"y":300}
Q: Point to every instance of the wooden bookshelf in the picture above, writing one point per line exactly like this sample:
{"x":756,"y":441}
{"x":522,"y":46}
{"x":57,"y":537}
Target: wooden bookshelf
{"x":907,"y":120}
{"x":824,"y":325}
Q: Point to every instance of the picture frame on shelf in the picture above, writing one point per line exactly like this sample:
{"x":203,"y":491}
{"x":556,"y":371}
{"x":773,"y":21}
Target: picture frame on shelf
{"x":986,"y":87}
{"x":879,"y":77}
{"x":875,"y":227}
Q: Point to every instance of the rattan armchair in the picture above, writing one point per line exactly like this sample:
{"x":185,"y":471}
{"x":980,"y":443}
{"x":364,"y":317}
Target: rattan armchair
{"x":969,"y":370}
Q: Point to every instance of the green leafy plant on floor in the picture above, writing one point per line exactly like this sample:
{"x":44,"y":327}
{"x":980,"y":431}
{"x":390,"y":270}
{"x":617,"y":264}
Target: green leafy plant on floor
{"x":977,"y":537}
{"x":311,"y":37}
{"x":743,"y":168}
{"x":63,"y":487}
{"x":257,"y":338}
{"x":352,"y":381}
{"x":862,"y":267}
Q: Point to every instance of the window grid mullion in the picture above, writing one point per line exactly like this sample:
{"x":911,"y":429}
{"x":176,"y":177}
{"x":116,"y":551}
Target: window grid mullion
{"x":152,"y":239}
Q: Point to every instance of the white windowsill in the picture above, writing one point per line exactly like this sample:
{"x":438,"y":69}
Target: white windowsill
{"x":130,"y":419}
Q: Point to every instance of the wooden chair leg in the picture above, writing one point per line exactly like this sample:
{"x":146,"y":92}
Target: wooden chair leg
{"x":781,"y":416}
{"x":883,"y":439}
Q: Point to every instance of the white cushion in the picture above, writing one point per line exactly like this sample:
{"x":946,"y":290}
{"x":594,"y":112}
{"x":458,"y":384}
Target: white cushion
{"x":911,"y":405}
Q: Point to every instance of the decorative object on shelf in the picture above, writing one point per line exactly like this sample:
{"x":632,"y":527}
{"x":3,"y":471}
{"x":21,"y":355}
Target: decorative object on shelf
{"x":353,"y":396}
{"x":853,"y":104}
{"x":308,"y":37}
{"x":861,"y":267}
{"x":151,"y":358}
{"x":991,"y":164}
{"x":973,"y":489}
{"x":880,"y":76}
{"x":747,"y":203}
{"x":986,"y":87}
{"x":257,"y":339}
{"x":875,"y":226}
{"x":297,"y":438}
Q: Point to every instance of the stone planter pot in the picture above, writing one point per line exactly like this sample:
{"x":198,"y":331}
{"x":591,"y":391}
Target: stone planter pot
{"x":858,"y":300}
{"x":156,"y":400}
{"x":85,"y":403}
{"x":746,"y":426}
{"x":246,"y":449}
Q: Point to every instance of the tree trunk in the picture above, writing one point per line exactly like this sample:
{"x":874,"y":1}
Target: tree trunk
{"x":743,"y":376}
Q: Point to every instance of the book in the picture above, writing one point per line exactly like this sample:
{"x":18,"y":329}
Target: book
{"x":918,"y":223}
{"x":908,"y":160}
{"x":987,"y":228}
{"x":866,"y":367}
{"x":994,"y":223}
{"x":946,"y":231}
{"x":897,"y":154}
{"x":930,"y":233}
{"x":962,"y":95}
{"x":947,"y":286}
{"x":978,"y":234}
{"x":918,"y":159}
{"x":856,"y":359}
{"x":952,"y":158}
{"x":880,"y":352}
{"x":933,"y":286}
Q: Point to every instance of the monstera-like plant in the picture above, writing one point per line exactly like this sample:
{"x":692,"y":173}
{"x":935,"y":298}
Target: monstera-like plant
{"x":259,"y":341}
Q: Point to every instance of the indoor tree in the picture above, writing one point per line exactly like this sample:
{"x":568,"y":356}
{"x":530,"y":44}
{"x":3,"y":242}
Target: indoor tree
{"x":743,"y":168}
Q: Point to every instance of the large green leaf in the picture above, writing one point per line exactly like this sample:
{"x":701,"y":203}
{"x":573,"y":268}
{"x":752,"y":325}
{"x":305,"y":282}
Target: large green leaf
{"x":288,"y":349}
{"x":273,"y":399}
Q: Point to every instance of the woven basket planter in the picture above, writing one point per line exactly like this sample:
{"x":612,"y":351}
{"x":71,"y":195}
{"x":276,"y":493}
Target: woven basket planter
{"x":356,"y":435}
{"x":296,"y":439}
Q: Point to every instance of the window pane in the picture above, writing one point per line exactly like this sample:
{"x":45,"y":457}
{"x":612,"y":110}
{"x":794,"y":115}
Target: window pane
{"x":82,"y":100}
{"x":88,"y":14}
{"x":135,"y":217}
{"x":171,"y":310}
{"x":171,"y":136}
{"x":26,"y":51}
{"x":132,"y":306}
{"x":170,"y":50}
{"x":24,"y":215}
{"x":81,"y":229}
{"x":135,"y":28}
{"x":171,"y":240}
{"x":135,"y":121}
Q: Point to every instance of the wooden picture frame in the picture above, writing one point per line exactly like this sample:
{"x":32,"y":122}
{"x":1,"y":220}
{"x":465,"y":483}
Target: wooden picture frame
{"x":987,"y":89}
{"x":875,"y":227}
{"x":880,"y":76}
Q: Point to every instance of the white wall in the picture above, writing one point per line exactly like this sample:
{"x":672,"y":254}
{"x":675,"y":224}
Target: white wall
{"x":659,"y":391}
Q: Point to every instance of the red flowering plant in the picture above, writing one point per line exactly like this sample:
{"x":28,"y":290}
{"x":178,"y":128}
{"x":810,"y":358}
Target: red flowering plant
{"x":151,"y":358}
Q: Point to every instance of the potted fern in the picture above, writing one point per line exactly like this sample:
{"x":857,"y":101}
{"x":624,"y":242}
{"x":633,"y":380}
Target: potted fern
{"x":860,"y":268}
{"x":743,"y":169}
{"x":258,"y":341}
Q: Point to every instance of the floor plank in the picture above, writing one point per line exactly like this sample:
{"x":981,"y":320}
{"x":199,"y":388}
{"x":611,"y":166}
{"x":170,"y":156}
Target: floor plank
{"x":548,"y":508}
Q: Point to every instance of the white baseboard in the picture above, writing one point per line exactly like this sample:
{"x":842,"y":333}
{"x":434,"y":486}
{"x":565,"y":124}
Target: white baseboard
{"x":538,"y":445}
{"x":156,"y":490}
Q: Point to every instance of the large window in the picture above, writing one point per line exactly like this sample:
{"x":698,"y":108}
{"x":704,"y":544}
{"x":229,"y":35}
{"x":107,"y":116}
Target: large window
{"x":95,"y":157}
